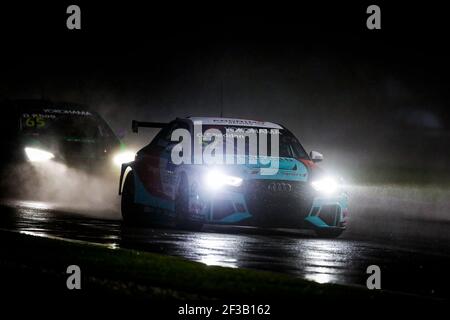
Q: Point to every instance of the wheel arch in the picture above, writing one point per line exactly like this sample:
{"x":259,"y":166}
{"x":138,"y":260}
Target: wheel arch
{"x":125,"y":170}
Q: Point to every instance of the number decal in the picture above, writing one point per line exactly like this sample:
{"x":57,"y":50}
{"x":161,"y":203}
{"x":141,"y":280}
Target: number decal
{"x":40,"y":123}
{"x":35,"y":122}
{"x":29,"y":122}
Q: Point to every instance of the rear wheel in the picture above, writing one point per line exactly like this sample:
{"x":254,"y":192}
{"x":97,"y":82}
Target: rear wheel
{"x":183,"y":219}
{"x":130,"y":211}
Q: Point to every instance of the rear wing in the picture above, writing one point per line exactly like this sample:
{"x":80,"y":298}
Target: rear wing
{"x":135,"y":125}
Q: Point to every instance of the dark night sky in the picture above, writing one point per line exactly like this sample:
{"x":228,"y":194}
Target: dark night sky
{"x":351,"y":93}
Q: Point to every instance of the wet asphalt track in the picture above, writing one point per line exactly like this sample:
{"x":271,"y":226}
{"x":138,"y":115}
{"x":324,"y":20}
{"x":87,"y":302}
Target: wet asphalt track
{"x":409,"y":263}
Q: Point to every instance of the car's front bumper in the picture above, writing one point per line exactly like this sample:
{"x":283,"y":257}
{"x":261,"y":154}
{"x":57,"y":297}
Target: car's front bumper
{"x":259,"y":203}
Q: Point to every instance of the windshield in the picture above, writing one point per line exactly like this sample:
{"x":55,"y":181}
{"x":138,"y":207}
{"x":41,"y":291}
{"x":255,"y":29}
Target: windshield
{"x":78,"y":125}
{"x":289,"y":146}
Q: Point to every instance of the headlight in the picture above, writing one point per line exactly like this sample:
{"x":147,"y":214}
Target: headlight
{"x":215,"y":179}
{"x":123,"y":157}
{"x":36,"y":155}
{"x":326,"y":185}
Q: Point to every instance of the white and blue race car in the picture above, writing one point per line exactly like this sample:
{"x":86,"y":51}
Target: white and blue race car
{"x":157,"y":188}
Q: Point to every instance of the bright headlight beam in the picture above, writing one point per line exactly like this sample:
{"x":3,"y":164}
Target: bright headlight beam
{"x":38,"y":155}
{"x":123,"y":157}
{"x":215,"y":180}
{"x":326,"y":185}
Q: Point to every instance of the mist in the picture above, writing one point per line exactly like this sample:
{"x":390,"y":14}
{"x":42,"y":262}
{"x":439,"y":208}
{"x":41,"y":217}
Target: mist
{"x":64,"y":188}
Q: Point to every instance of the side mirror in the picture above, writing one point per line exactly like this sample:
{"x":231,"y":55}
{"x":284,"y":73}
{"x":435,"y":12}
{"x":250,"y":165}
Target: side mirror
{"x":315,"y":156}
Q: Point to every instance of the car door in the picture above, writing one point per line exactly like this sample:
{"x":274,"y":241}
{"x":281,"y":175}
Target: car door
{"x":168,"y":168}
{"x":148,"y":163}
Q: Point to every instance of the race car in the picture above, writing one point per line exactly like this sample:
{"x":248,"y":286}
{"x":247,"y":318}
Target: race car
{"x":40,"y":131}
{"x":158,"y":188}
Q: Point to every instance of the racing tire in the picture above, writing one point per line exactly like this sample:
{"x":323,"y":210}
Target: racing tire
{"x":130,"y":210}
{"x":182,"y":214}
{"x":329,"y":233}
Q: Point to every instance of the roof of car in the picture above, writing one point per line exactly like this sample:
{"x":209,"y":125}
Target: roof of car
{"x":47,"y":106}
{"x":235,"y":122}
{"x":44,"y":103}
